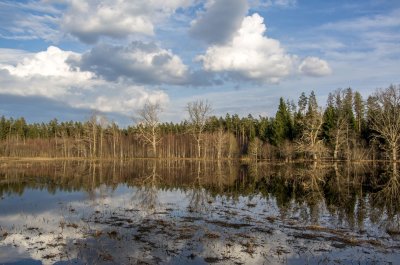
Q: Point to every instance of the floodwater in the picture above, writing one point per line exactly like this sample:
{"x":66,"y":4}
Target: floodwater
{"x":197,"y":212}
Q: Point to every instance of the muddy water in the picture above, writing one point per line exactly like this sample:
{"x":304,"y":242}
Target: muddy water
{"x":181,"y":212}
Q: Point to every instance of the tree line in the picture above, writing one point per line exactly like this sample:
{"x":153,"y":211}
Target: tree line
{"x":348,"y":127}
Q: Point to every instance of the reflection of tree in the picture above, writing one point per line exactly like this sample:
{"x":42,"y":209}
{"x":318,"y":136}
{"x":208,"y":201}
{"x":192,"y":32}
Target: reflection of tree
{"x":98,"y":188}
{"x":219,"y":176}
{"x":346,"y":192}
{"x":386,"y":202}
{"x":297,"y":190}
{"x":390,"y":192}
{"x":254,"y":171}
{"x":311,"y":183}
{"x":198,"y":196}
{"x":147,"y":193}
{"x":311,"y":180}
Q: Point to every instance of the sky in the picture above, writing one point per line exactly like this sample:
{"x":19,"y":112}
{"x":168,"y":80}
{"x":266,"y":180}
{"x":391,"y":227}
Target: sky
{"x":65,"y":59}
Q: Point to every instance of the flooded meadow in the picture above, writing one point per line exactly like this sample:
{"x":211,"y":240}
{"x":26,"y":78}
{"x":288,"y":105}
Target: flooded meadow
{"x":198,"y":212}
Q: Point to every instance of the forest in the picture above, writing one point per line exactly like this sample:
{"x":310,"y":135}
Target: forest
{"x":347,"y":127}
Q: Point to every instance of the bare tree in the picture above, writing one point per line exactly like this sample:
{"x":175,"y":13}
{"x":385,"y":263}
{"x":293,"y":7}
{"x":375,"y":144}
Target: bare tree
{"x":340,"y":130}
{"x":148,"y":126}
{"x":309,"y":142}
{"x":115,"y":131}
{"x":255,"y":148}
{"x":103,"y":124}
{"x":339,"y":135}
{"x":384,"y":117}
{"x":94,"y":128}
{"x":199,"y":113}
{"x":220,"y":140}
{"x":91,"y":128}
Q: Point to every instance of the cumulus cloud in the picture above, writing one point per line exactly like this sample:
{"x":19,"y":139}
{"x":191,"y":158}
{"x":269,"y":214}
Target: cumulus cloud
{"x":220,"y":20}
{"x":139,"y":62}
{"x":48,"y":63}
{"x":47,"y":74}
{"x":313,"y":66}
{"x":250,"y":54}
{"x":89,"y":20}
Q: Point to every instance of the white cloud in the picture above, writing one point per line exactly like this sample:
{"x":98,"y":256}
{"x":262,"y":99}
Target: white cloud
{"x":51,"y":62}
{"x":313,"y":66}
{"x":89,"y":20}
{"x":12,"y":56}
{"x":122,"y":98}
{"x":45,"y":73}
{"x":139,"y":62}
{"x":48,"y":74}
{"x":250,"y":54}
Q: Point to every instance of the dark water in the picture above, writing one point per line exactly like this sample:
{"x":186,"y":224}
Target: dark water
{"x":182,"y":212}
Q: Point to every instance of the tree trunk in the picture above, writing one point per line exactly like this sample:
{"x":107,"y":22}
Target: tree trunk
{"x":114,"y":145}
{"x":198,"y":148}
{"x":394,"y":153}
{"x":154,"y":144}
{"x":101,"y":142}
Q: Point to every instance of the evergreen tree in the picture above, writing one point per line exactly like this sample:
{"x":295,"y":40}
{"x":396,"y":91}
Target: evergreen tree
{"x":299,"y":115}
{"x":359,"y":109}
{"x":262,"y":128}
{"x":3,"y":128}
{"x":282,"y":127}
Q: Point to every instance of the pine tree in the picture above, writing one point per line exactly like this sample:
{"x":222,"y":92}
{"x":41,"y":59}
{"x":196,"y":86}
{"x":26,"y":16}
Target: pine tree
{"x":282,"y":127}
{"x":359,"y":109}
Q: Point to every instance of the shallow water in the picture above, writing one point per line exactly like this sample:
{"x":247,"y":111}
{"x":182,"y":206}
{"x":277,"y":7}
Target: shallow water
{"x":179,"y":212}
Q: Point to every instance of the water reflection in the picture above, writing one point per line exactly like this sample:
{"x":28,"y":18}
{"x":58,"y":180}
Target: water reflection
{"x":198,"y":211}
{"x":386,"y":202}
{"x":147,"y":194}
{"x":199,"y":197}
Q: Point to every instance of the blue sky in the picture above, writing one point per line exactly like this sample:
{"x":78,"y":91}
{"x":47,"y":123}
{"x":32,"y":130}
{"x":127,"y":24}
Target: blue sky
{"x":65,"y":58}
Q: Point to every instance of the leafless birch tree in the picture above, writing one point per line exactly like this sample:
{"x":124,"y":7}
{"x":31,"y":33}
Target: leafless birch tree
{"x":199,"y":113}
{"x":148,"y":126}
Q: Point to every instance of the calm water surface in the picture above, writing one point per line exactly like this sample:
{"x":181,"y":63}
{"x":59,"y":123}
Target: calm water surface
{"x":180,"y":212}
